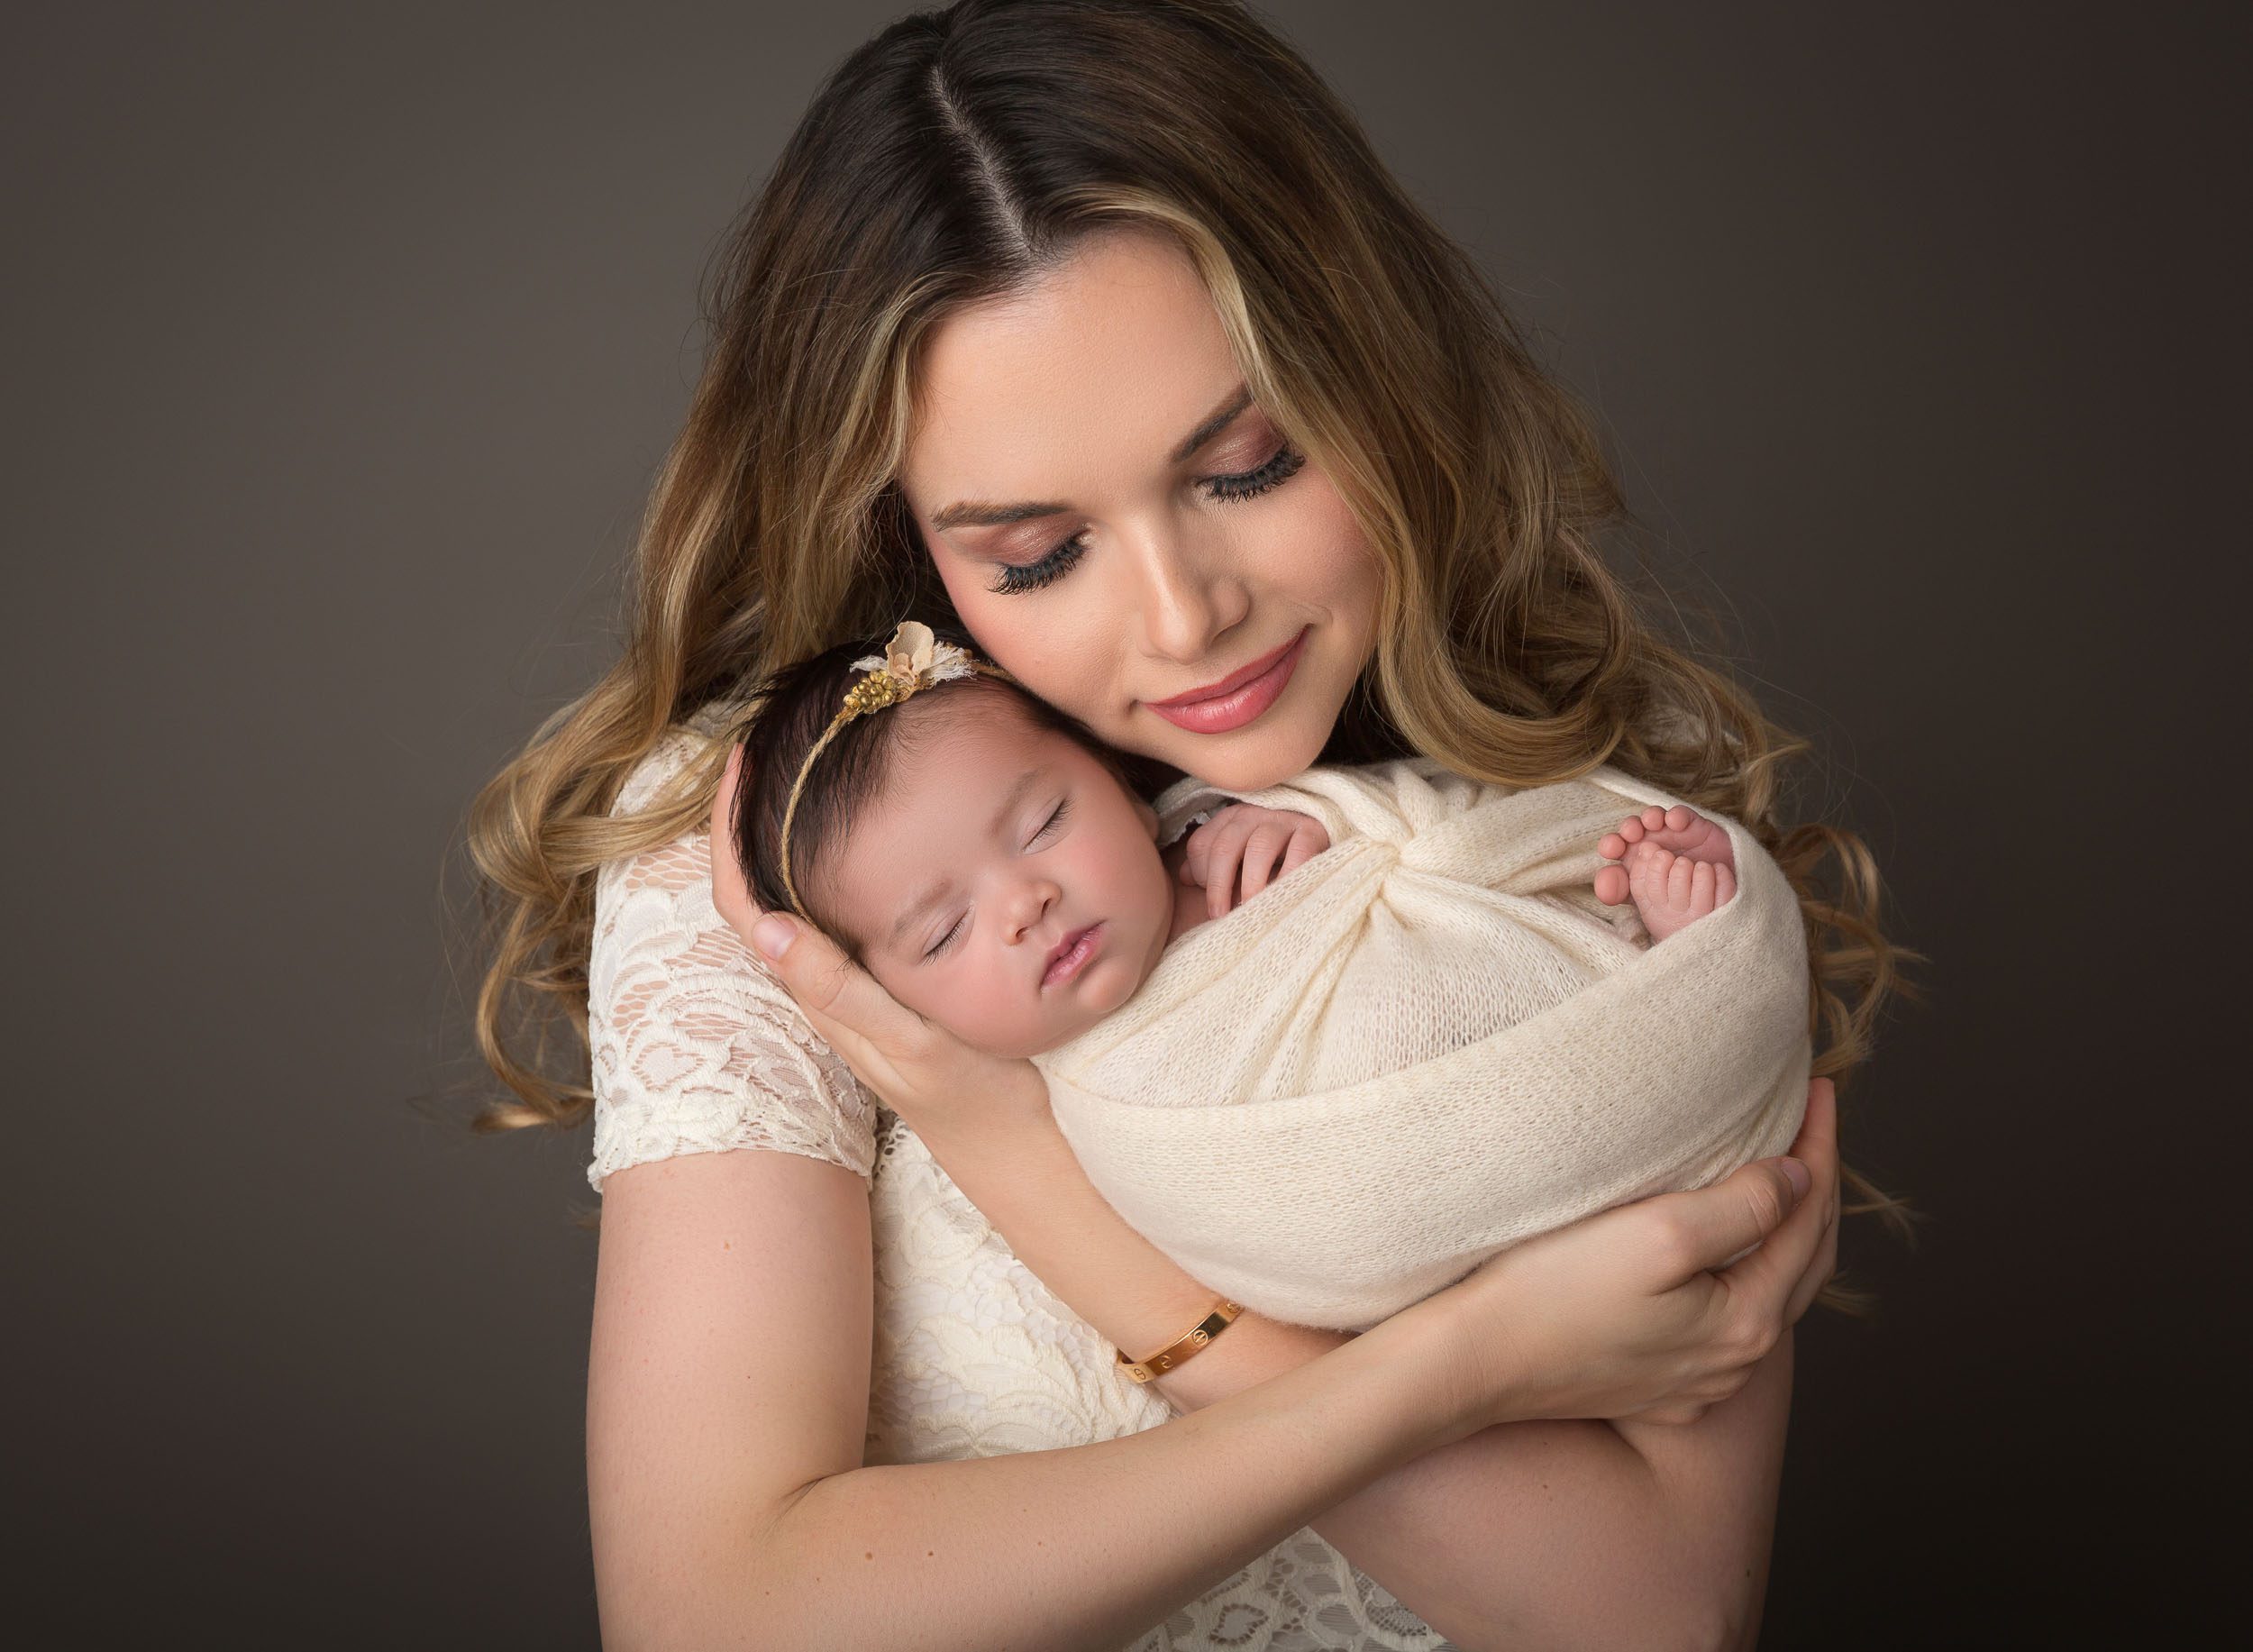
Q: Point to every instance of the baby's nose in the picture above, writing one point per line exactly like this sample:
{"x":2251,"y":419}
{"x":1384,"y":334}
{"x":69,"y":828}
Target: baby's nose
{"x":1028,"y":903}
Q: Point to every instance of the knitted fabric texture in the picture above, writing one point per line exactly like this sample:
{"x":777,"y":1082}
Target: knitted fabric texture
{"x":1431,"y":1041}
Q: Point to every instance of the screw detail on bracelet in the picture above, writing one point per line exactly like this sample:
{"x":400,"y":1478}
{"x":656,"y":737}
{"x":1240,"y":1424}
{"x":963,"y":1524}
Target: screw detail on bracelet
{"x":1194,"y":1340}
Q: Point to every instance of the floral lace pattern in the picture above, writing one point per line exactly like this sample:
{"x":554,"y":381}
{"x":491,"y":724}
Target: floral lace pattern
{"x":696,"y":1046}
{"x":697,"y":1049}
{"x":975,"y":1356}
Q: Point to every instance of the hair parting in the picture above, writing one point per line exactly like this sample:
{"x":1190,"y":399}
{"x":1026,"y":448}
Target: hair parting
{"x":954,"y":158}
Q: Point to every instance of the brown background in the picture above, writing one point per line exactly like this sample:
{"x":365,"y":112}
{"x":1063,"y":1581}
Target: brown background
{"x":341,"y":351}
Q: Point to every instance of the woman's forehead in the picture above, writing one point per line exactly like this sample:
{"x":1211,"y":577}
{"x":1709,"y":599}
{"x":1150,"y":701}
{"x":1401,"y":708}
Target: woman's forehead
{"x":1111,"y":357}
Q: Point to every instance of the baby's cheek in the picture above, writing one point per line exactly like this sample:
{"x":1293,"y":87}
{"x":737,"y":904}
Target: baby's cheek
{"x":989,"y":1015}
{"x":914,"y":989}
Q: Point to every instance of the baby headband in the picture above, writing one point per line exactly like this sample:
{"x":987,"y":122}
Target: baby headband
{"x":913,"y":660}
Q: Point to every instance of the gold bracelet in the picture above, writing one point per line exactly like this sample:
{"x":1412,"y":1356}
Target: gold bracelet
{"x":1182,"y":1347}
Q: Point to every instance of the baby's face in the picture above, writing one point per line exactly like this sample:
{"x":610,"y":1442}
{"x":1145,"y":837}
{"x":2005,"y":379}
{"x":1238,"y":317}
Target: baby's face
{"x":1005,"y":885}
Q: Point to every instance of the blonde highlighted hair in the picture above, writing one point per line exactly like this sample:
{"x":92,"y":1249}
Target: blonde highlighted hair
{"x":957,"y":156}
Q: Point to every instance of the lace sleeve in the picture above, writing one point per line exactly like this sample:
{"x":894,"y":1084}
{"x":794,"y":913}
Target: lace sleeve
{"x":696,"y":1047}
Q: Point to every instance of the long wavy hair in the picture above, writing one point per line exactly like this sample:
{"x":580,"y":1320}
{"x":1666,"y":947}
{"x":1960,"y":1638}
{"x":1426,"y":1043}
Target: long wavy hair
{"x":959,"y":155}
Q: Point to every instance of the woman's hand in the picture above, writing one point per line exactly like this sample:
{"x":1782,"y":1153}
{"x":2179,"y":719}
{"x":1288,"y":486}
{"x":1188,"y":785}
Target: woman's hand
{"x":922,"y":1072}
{"x":1652,"y":1310}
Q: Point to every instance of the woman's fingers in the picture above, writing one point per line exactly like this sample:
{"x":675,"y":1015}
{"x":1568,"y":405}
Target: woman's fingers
{"x":1792,"y":1266}
{"x":1817,"y":1272}
{"x":1818,"y":1142}
{"x":1714,"y":1223}
{"x":855,"y":1017}
{"x":731,"y":890}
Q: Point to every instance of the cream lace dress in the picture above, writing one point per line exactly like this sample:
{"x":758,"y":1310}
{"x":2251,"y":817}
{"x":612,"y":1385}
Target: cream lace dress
{"x":697,"y":1049}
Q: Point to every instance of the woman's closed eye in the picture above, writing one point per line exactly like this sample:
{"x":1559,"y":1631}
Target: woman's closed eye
{"x":1228,"y":489}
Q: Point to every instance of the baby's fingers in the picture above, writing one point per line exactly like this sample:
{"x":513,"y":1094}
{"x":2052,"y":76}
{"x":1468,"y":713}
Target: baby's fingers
{"x":1266,"y":846}
{"x":1220,"y":875}
{"x":1196,"y":850}
{"x":1208,"y":842}
{"x":1307,"y":840}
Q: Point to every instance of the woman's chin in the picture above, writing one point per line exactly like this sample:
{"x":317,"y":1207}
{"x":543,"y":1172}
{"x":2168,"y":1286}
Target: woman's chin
{"x":1256,"y":757}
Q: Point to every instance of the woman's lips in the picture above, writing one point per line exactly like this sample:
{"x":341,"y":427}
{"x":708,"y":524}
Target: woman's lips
{"x":1241,"y":701}
{"x":1079,"y":947}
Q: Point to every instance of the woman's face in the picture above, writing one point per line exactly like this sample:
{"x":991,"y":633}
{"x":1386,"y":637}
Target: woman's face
{"x":1129,"y":536}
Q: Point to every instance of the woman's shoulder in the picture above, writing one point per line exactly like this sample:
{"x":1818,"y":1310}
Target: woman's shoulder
{"x":695,"y":1046}
{"x":674,"y":750}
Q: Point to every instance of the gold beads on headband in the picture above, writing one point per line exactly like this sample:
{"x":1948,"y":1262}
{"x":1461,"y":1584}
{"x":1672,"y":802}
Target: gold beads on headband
{"x":913,"y":660}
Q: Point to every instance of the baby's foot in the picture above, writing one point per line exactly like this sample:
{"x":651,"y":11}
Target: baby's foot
{"x":1675,"y":864}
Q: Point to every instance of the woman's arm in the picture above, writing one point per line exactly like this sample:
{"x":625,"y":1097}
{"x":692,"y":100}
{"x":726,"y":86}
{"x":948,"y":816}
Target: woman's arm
{"x":1639,"y":1272}
{"x":1550,"y":1533}
{"x":726,"y":1404}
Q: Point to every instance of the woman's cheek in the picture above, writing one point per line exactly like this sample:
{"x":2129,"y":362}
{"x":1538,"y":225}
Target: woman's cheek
{"x":1062,"y":657}
{"x":1347,"y":567}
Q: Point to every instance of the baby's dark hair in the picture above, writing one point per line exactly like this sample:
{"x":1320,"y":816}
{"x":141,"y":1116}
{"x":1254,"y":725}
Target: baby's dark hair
{"x":791,"y":708}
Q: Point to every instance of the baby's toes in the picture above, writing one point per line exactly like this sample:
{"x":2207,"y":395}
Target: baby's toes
{"x":1611,"y":884}
{"x":1612,"y":847}
{"x":1724,"y":885}
{"x":1647,"y":867}
{"x":1701,"y":899}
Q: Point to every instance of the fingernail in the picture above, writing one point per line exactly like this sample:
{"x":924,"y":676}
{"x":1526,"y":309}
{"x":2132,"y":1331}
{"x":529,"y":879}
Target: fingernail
{"x":774,"y":933}
{"x":1796,"y":1173}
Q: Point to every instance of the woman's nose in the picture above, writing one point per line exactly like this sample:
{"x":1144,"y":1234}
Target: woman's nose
{"x":1026,"y":903}
{"x":1189,"y":597}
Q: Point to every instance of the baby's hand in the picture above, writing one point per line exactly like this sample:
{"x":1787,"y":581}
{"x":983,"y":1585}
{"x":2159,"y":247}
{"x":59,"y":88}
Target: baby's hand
{"x":1245,"y":841}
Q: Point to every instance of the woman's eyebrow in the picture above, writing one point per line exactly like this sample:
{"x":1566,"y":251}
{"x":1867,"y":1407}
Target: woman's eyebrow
{"x":1216,"y":421}
{"x":977,"y":513}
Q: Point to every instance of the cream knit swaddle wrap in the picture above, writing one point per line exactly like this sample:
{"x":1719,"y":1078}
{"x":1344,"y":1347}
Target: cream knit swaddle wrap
{"x":1430,"y":1042}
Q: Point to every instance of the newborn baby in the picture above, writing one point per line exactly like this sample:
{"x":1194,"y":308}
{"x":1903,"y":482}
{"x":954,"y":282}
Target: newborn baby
{"x":1443,"y":1027}
{"x":985,"y":860}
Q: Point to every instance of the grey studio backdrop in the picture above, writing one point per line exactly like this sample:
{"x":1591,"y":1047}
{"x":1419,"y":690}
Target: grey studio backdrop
{"x":342,"y":344}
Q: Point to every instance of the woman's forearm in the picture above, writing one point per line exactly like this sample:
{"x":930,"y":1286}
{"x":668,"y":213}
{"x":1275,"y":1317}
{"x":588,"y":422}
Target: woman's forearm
{"x":1567,"y":1531}
{"x":1083,"y":1547}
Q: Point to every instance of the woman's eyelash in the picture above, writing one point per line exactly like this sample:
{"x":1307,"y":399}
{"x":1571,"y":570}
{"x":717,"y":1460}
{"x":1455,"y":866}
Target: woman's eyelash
{"x":1225,"y":489}
{"x":1031,"y":576}
{"x":1251,"y":484}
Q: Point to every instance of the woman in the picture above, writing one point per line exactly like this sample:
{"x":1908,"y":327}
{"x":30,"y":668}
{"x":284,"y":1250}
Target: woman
{"x":1096,"y":326}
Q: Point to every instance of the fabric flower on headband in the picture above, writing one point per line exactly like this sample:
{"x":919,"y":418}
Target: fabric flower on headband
{"x":913,"y":660}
